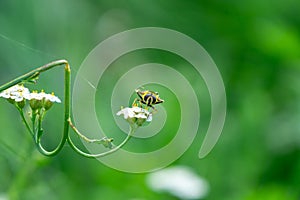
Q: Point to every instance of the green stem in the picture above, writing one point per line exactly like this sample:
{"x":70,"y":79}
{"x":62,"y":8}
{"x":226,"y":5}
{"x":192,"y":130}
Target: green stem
{"x":39,"y":130}
{"x":33,"y":121}
{"x":25,"y":122}
{"x":81,"y":135}
{"x":66,"y":113}
{"x":76,"y":149}
{"x":32,"y":74}
{"x":67,"y":120}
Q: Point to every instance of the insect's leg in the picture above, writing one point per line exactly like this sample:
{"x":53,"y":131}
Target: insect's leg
{"x":134,"y":104}
{"x":141,"y":103}
{"x":154,"y":109}
{"x":137,"y":103}
{"x":147,"y":103}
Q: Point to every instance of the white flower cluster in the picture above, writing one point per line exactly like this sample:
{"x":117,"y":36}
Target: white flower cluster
{"x":136,"y":115}
{"x":19,"y":93}
{"x":42,"y":95}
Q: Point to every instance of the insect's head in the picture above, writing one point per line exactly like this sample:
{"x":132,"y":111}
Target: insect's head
{"x":140,"y":92}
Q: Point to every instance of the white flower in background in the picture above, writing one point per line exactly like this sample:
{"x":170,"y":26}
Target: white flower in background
{"x":179,"y":181}
{"x":3,"y":196}
{"x":136,"y":115}
{"x":16,"y":93}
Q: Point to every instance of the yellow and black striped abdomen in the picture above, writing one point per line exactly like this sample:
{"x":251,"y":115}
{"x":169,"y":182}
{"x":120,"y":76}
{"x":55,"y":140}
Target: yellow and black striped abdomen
{"x":149,"y":99}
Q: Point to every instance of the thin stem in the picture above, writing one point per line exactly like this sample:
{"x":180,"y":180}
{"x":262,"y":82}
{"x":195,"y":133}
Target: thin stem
{"x":66,"y":113}
{"x":76,"y":149}
{"x":39,"y":130}
{"x":25,"y":122}
{"x":33,"y":74}
{"x":81,"y":135}
{"x":33,"y":120}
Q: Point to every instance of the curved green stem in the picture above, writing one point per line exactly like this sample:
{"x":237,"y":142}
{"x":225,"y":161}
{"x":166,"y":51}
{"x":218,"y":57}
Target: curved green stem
{"x":76,"y":149}
{"x":66,"y":117}
{"x":34,"y":74}
{"x":37,"y":132}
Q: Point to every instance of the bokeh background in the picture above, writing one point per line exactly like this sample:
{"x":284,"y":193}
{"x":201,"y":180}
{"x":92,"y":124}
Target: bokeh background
{"x":256,"y":46}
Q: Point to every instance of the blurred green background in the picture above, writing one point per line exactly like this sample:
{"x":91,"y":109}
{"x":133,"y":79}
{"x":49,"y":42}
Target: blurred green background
{"x":256,"y":46}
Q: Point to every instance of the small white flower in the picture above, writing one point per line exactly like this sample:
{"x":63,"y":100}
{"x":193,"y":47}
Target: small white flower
{"x":5,"y":94}
{"x":142,"y":113}
{"x":42,"y":99}
{"x":136,"y":115}
{"x":51,"y":97}
{"x":135,"y":112}
{"x":17,"y":93}
{"x":149,"y":119}
{"x":42,"y":95}
{"x":141,"y":116}
{"x":36,"y":96}
{"x":127,"y":112}
{"x":138,"y":109}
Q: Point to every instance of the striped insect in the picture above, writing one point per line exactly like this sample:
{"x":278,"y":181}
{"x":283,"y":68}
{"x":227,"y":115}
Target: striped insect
{"x":147,"y":97}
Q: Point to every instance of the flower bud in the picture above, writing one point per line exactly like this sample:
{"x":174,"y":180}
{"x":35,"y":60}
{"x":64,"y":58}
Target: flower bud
{"x":49,"y":99}
{"x":35,"y":104}
{"x":47,"y":104}
{"x":21,"y":104}
{"x":140,"y":121}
